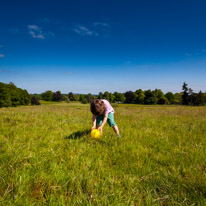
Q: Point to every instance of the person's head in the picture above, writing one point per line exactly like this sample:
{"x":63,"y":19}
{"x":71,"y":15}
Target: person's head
{"x":97,"y":107}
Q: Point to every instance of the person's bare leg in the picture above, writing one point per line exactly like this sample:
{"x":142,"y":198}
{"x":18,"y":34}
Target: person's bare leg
{"x":116,"y":130}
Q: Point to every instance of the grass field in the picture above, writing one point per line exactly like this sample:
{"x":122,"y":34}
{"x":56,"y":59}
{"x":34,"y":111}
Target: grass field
{"x":48,"y":158}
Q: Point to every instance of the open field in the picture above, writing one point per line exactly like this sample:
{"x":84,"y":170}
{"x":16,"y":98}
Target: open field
{"x":48,"y":158}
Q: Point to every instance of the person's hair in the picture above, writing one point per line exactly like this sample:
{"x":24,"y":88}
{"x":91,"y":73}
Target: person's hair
{"x":97,"y":107}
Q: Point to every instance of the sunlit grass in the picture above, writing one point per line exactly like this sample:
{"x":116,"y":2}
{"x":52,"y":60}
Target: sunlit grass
{"x":48,"y":157}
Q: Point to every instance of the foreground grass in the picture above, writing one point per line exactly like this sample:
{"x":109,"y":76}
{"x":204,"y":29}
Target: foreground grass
{"x":48,"y":158}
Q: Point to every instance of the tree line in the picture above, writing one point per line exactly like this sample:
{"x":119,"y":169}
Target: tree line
{"x":10,"y":95}
{"x":149,"y":97}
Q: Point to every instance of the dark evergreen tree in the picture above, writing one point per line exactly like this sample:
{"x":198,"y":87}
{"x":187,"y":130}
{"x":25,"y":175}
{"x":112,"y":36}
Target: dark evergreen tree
{"x":191,"y":97}
{"x":185,"y":100}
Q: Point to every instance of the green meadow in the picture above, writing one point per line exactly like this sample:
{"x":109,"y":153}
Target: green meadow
{"x":48,"y":158}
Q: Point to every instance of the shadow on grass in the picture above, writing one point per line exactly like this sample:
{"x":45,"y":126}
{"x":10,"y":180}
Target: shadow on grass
{"x":78,"y":134}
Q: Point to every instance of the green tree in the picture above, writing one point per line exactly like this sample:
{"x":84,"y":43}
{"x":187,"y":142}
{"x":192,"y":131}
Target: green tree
{"x":111,"y":97}
{"x":76,"y":97}
{"x":170,"y":96}
{"x":106,"y":95}
{"x":177,"y":98}
{"x":47,"y":96}
{"x":65,"y":98}
{"x":119,"y":97}
{"x":122,"y":97}
{"x":81,"y":97}
{"x":5,"y":98}
{"x":100,"y":96}
{"x":140,"y":96}
{"x":158,"y":93}
{"x":10,"y":95}
{"x":25,"y":97}
{"x":159,"y":96}
{"x":71,"y":96}
{"x":84,"y":101}
{"x":89,"y":98}
{"x":149,"y":97}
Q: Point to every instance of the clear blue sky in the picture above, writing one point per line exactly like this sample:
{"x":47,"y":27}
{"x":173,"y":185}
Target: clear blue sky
{"x":103,"y":45}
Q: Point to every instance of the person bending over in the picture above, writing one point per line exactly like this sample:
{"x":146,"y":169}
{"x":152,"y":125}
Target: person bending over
{"x":103,"y":112}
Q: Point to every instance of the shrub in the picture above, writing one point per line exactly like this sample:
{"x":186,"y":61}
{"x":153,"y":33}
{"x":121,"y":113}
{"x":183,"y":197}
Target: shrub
{"x":35,"y":101}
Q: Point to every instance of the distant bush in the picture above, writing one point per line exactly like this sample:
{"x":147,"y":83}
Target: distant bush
{"x":35,"y":101}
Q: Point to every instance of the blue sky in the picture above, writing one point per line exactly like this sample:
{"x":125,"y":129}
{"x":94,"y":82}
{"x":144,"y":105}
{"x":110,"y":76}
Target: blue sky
{"x":88,"y":46}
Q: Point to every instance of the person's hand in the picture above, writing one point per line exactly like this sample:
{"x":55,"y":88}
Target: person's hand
{"x":94,"y":127}
{"x":100,"y":129}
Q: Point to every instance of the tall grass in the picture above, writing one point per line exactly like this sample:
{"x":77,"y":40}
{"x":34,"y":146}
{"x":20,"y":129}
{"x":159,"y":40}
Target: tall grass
{"x":48,"y":158}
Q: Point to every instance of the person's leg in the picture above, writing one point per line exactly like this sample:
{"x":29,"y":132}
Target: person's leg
{"x":116,"y":130}
{"x":112,"y":123}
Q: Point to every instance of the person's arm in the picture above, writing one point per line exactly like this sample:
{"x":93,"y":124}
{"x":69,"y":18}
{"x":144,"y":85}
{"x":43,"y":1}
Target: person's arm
{"x":94,"y":121}
{"x":103,"y":123}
